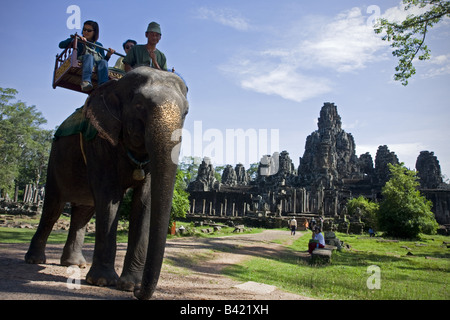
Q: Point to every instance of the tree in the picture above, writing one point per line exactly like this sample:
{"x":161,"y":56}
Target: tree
{"x":367,"y":208}
{"x":34,"y":159}
{"x":404,"y":212}
{"x":253,"y":170}
{"x":180,"y":201}
{"x":24,"y":145}
{"x":189,"y":166}
{"x":218,"y":171}
{"x":408,"y":36}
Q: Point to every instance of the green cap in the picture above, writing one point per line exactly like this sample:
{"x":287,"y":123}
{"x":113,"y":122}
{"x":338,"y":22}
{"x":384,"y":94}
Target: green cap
{"x":154,"y":27}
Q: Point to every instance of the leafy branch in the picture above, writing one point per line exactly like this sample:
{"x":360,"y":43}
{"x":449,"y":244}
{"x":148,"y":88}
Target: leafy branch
{"x":408,"y":36}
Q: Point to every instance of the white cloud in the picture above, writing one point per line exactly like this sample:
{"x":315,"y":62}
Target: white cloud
{"x":287,"y":83}
{"x":350,"y":126}
{"x":343,"y":44}
{"x":436,"y":66}
{"x":226,"y":17}
{"x":408,"y":152}
{"x":347,"y":43}
{"x":440,"y":60}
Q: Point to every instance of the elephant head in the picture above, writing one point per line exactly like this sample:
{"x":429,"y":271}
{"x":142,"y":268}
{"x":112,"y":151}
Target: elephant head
{"x":140,"y":114}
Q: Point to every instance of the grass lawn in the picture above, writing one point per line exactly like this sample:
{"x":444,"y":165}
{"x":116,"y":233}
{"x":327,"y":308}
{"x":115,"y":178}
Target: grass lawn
{"x":17,"y":235}
{"x":423,"y":275}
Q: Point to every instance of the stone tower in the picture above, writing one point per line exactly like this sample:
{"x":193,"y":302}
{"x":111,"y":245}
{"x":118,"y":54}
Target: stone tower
{"x":428,"y":170}
{"x":383,"y":157}
{"x":206,"y":179}
{"x":329,"y":153}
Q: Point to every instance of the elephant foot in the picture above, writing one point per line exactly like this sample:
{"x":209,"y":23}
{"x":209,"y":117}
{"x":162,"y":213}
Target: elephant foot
{"x":73,"y":260}
{"x":102,"y":277}
{"x":129,"y":282}
{"x":33,"y":257}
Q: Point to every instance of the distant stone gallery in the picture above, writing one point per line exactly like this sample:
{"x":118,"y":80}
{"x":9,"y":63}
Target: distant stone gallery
{"x":329,"y":174}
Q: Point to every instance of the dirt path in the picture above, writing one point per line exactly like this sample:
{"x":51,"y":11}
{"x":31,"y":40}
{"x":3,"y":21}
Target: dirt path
{"x":191,"y":271}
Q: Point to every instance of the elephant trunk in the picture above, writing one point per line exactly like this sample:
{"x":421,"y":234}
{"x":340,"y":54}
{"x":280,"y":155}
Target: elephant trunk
{"x":164,"y":122}
{"x":161,"y":204}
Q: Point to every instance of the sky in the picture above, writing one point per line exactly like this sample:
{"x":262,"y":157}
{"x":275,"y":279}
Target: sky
{"x":258,"y":71}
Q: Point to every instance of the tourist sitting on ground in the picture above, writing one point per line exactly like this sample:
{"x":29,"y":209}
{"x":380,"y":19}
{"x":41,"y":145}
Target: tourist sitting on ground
{"x":317,"y":241}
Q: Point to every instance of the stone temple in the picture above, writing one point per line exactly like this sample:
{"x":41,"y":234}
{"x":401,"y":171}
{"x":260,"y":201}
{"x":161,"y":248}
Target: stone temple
{"x":329,"y":174}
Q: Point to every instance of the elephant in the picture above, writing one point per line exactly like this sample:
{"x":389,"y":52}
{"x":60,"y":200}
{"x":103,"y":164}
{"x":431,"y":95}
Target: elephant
{"x":139,"y":120}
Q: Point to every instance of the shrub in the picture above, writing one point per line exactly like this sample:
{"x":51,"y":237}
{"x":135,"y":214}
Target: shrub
{"x":404,"y":212}
{"x":367,"y":208}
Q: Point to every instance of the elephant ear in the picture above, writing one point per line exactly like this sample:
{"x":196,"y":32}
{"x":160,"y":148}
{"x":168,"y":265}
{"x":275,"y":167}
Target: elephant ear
{"x":103,"y":110}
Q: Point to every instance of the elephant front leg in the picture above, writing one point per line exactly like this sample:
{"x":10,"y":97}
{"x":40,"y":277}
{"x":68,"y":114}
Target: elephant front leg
{"x":137,"y":239}
{"x":102,"y":271}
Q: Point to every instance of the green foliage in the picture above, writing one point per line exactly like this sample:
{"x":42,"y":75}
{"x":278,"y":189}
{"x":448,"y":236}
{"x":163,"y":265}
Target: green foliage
{"x":189,"y":165}
{"x":218,"y":171}
{"x":408,"y":36}
{"x":125,"y":206}
{"x":367,"y":208}
{"x":24,"y":145}
{"x":404,"y":212}
{"x":253,"y":170}
{"x":180,"y":201}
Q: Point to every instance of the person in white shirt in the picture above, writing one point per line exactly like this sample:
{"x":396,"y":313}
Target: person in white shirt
{"x":293,"y":225}
{"x":317,"y":241}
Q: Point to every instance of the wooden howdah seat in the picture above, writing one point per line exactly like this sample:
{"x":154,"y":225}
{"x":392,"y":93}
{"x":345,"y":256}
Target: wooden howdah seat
{"x":67,"y":73}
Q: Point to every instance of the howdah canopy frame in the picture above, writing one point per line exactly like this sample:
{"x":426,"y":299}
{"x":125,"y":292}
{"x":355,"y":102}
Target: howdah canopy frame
{"x":68,"y":68}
